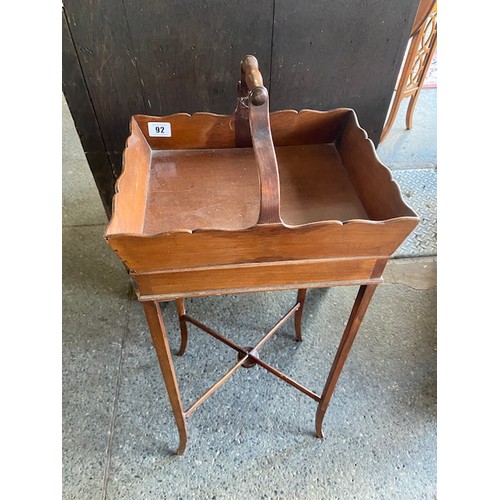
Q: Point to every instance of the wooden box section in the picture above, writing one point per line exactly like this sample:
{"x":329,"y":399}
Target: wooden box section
{"x":186,"y":210}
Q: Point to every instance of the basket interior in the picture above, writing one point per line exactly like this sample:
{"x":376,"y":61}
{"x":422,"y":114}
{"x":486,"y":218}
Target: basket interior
{"x":219,"y":189}
{"x":198,"y":180}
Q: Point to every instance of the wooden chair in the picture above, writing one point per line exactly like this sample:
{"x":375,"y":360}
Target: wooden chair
{"x":210,"y":204}
{"x":422,"y":45}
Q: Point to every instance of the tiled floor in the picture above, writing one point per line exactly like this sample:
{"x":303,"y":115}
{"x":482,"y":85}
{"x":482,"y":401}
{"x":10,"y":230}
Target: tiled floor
{"x":412,"y":157}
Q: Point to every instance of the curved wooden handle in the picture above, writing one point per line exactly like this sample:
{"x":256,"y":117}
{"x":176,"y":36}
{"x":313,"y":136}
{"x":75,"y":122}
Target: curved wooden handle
{"x":260,"y":130}
{"x":250,"y":73}
{"x":267,"y":164}
{"x":252,"y":121}
{"x":251,"y":80}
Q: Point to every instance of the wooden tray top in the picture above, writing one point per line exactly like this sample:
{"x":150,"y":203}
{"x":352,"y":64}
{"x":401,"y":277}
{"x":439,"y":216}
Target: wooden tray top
{"x":238,"y":199}
{"x":219,"y":189}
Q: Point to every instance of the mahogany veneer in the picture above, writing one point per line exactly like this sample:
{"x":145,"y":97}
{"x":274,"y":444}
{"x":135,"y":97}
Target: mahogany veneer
{"x":249,"y":202}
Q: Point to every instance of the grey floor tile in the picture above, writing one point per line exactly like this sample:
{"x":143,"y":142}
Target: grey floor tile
{"x":419,"y":191}
{"x":80,"y":199}
{"x":418,"y":273}
{"x":81,"y":203}
{"x":95,"y":313}
{"x":71,"y":145}
{"x":254,"y":437}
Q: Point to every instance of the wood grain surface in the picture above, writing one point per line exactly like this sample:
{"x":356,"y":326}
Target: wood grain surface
{"x":185,"y":189}
{"x":257,"y":277}
{"x":186,"y":208}
{"x":84,"y":117}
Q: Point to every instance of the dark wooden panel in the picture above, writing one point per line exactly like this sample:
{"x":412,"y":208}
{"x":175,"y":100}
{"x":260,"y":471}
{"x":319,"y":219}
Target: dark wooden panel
{"x":101,"y":36}
{"x":82,"y":111}
{"x":100,"y":165}
{"x":116,"y":160}
{"x":340,"y":53}
{"x":164,"y":57}
{"x":188,"y":52}
{"x":77,"y":97}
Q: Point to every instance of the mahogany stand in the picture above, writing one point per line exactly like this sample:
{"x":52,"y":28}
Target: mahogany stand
{"x":249,"y":356}
{"x":256,"y":201}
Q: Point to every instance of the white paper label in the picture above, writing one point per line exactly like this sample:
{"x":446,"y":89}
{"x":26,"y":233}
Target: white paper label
{"x":159,"y":129}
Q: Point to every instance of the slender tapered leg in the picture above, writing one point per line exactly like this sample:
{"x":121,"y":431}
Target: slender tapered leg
{"x":160,"y":341}
{"x":301,"y":299}
{"x":358,"y":311}
{"x":411,"y":108}
{"x":392,"y":116}
{"x":181,"y":311}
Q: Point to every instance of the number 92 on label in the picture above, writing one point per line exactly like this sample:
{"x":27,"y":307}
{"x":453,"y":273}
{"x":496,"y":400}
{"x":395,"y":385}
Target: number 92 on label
{"x":159,"y":129}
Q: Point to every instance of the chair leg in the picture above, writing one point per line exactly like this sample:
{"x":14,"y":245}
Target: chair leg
{"x":301,"y":299}
{"x":392,"y":116}
{"x":158,"y":334}
{"x":411,"y":108}
{"x":358,"y":311}
{"x":181,"y":311}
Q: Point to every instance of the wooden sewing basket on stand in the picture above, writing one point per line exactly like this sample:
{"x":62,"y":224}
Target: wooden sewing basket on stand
{"x":210,"y":204}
